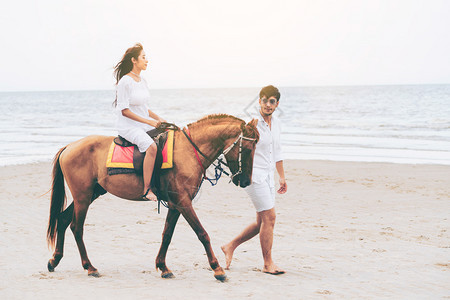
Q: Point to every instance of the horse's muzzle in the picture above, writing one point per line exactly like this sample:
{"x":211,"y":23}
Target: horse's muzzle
{"x":241,"y":181}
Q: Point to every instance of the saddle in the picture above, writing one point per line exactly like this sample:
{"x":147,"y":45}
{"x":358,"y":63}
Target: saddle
{"x":125,"y":157}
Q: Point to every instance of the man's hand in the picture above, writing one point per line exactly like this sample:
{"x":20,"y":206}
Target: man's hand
{"x":283,"y":186}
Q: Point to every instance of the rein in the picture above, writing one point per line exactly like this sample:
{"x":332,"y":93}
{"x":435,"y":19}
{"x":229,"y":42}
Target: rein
{"x":218,"y":170}
{"x":196,"y":150}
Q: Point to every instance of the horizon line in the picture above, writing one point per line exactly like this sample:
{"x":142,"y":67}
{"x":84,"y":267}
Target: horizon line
{"x":217,"y":88}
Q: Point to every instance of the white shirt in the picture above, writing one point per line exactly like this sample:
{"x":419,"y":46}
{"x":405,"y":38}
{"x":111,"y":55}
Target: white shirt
{"x":134,"y":96}
{"x":268,"y":150}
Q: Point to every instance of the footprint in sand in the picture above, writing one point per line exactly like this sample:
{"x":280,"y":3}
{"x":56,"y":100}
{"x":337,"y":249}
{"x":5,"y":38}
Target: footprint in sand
{"x":443,"y":265}
{"x":324,"y":292}
{"x":379,"y":250}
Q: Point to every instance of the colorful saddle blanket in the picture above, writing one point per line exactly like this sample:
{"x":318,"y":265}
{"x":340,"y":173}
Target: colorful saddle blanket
{"x":125,"y":158}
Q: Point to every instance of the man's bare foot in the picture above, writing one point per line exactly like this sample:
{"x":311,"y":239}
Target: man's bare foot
{"x":228,"y":255}
{"x":273,"y":270}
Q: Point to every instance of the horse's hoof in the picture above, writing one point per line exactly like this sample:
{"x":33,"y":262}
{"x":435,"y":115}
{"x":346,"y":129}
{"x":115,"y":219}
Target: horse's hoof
{"x":167,"y":275}
{"x":95,"y":274}
{"x":222,"y":277}
{"x":50,"y":267}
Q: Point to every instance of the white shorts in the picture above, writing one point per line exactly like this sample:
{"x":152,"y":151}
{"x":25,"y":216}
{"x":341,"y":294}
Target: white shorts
{"x":262,"y":194}
{"x":137,"y":136}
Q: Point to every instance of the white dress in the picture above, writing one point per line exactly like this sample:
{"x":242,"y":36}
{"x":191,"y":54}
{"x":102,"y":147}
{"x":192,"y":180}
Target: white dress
{"x":134,"y":96}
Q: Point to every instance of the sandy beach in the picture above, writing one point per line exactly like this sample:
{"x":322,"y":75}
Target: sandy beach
{"x":343,"y":231}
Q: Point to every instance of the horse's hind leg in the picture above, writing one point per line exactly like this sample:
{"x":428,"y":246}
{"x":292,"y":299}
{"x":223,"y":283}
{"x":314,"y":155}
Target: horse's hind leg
{"x":171,"y":221}
{"x":81,"y":208}
{"x":64,"y":220}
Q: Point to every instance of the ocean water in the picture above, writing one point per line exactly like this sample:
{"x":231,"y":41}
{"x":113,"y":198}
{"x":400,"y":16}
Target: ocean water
{"x":399,"y":124}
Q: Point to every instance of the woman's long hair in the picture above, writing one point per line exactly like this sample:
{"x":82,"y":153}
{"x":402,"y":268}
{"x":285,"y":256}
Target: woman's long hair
{"x":125,"y":65}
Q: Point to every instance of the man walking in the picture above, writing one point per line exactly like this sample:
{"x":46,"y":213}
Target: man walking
{"x":268,"y":157}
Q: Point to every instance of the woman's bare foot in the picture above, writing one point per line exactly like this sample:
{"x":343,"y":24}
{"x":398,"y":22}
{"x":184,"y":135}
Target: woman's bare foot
{"x":149,"y":196}
{"x":273,"y":270}
{"x":228,"y":251}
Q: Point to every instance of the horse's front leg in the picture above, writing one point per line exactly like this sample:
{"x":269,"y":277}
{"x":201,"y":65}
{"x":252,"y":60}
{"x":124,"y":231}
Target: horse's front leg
{"x":171,"y":221}
{"x":191,"y":217}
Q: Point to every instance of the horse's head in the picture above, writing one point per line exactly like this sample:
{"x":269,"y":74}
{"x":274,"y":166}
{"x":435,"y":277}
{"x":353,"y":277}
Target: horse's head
{"x":239,"y":155}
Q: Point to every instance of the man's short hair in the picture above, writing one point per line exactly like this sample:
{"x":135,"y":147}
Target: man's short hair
{"x":269,"y":91}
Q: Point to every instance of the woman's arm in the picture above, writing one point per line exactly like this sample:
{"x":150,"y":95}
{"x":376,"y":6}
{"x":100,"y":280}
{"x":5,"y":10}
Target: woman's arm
{"x":155,"y":116}
{"x":129,"y":114}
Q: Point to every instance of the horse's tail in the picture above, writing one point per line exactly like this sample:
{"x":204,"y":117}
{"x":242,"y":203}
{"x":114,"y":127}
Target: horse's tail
{"x":58,"y":199}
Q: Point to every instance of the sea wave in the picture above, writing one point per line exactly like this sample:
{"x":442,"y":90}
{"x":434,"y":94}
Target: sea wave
{"x":400,"y":124}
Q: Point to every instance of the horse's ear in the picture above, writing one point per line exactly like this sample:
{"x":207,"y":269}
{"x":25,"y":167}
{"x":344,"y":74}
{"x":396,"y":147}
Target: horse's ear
{"x":253,"y":122}
{"x":253,"y":129}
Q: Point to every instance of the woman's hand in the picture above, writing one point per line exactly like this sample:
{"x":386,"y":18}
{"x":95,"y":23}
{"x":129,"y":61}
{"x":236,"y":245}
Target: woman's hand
{"x":153,"y":123}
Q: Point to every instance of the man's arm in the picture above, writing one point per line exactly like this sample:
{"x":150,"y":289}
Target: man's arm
{"x":280,"y":170}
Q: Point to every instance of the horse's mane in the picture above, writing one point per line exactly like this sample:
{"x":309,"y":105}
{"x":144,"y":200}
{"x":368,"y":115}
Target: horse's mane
{"x":218,"y":117}
{"x":214,"y":118}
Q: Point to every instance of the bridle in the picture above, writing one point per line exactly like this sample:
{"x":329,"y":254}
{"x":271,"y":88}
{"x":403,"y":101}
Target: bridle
{"x":239,"y":139}
{"x":220,"y":161}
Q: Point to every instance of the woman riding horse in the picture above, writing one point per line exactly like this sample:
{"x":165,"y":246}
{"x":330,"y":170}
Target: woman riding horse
{"x":134,"y":118}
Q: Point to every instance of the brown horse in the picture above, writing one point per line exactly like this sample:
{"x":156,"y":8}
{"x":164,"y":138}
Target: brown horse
{"x":82,"y":165}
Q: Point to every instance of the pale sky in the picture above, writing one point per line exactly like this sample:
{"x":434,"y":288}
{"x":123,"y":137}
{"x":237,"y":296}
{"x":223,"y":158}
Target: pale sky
{"x":73,"y":45}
